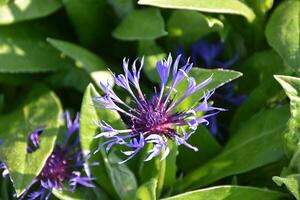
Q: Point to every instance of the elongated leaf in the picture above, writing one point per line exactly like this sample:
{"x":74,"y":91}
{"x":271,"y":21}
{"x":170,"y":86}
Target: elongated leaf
{"x":22,"y":49}
{"x":229,"y":193}
{"x":20,"y":10}
{"x":136,"y":25}
{"x":260,"y":7}
{"x":291,"y":86}
{"x":3,"y":2}
{"x":122,"y":178}
{"x":189,"y":26}
{"x":257,"y":143}
{"x":80,"y":194}
{"x":219,"y":78}
{"x":116,"y":179}
{"x":153,"y":169}
{"x":171,"y":167}
{"x":256,"y":101}
{"x":283,"y":30}
{"x":88,"y":129}
{"x":92,"y":15}
{"x":83,"y":58}
{"x":260,"y":66}
{"x":147,"y":191}
{"x":64,"y":195}
{"x":42,"y":110}
{"x":216,"y":6}
{"x":122,"y":7}
{"x":208,"y":148}
{"x":292,"y":182}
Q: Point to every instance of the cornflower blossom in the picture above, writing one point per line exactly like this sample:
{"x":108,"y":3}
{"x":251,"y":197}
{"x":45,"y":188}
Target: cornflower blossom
{"x":154,"y":120}
{"x":64,"y":165}
{"x":207,"y":55}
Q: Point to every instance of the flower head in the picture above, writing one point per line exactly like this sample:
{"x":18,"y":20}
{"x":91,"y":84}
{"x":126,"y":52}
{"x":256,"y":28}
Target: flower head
{"x":64,"y":165}
{"x":153,"y":120}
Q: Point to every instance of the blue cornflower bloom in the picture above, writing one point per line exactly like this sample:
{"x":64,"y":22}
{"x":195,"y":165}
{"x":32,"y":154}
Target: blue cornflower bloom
{"x":208,"y":55}
{"x":64,"y":165}
{"x":154,"y":120}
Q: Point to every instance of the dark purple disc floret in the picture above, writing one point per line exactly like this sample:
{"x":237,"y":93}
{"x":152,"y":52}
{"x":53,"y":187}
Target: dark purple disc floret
{"x":155,"y":120}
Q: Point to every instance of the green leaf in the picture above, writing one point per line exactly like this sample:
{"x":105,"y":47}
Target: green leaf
{"x":189,"y":26}
{"x":292,"y":182}
{"x":92,"y":15}
{"x":42,"y":110}
{"x":260,"y":66}
{"x":122,"y":7}
{"x":171,"y":167}
{"x":80,"y":194}
{"x":1,"y":102}
{"x":83,"y":58}
{"x":188,"y":159}
{"x":136,"y":26}
{"x":291,"y":86}
{"x":66,"y":195}
{"x":219,"y":78}
{"x":90,"y":115}
{"x":22,"y":49}
{"x":264,"y":96}
{"x":20,"y":10}
{"x":229,"y":193}
{"x":147,"y":191}
{"x":110,"y":175}
{"x":70,"y":77}
{"x":3,"y":2}
{"x":217,"y":6}
{"x":256,"y":144}
{"x":153,"y":169}
{"x":260,"y":7}
{"x":88,"y":128}
{"x":121,"y":177}
{"x":283,"y":30}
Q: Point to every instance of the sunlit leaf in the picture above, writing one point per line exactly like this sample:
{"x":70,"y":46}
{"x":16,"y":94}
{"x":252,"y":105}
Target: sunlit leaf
{"x":216,"y":6}
{"x":283,"y":30}
{"x":20,"y":10}
{"x":83,"y":58}
{"x":229,"y":193}
{"x":42,"y":110}
{"x":291,"y":86}
{"x":291,"y":182}
{"x":135,"y":26}
{"x":257,"y":143}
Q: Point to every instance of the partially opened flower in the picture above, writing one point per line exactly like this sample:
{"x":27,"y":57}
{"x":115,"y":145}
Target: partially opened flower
{"x":154,"y":120}
{"x":63,"y":168}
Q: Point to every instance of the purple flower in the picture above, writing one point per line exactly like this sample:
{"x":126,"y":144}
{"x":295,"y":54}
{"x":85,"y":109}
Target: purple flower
{"x":208,"y":55}
{"x":153,"y":120}
{"x":64,"y":165}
